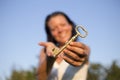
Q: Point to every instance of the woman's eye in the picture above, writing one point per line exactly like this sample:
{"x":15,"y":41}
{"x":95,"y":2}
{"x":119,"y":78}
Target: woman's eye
{"x":53,"y":29}
{"x":63,"y":25}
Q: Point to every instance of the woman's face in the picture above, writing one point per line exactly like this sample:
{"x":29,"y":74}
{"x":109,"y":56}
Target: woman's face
{"x":60,"y":29}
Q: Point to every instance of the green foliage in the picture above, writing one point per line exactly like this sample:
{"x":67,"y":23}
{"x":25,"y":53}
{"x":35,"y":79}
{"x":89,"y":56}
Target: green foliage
{"x":113,"y":73}
{"x":99,"y":72}
{"x":96,"y":72}
{"x":22,"y":74}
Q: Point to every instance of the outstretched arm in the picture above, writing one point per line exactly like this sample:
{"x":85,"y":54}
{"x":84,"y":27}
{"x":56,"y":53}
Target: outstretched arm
{"x":45,"y":65}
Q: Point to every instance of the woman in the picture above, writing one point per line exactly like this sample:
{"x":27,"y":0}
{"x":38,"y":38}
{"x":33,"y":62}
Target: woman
{"x":72,"y":63}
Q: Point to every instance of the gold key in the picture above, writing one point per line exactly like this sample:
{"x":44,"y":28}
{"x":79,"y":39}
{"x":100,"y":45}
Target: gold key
{"x":57,"y":51}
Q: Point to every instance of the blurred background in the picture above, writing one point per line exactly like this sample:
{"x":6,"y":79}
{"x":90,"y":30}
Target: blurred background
{"x":22,"y":28}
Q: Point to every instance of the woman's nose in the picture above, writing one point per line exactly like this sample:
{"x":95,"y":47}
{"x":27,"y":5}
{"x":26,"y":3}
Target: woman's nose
{"x":60,"y":29}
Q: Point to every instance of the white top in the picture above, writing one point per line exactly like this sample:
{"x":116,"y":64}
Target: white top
{"x":64,"y":71}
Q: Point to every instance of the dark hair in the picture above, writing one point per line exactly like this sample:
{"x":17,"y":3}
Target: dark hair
{"x":50,"y":38}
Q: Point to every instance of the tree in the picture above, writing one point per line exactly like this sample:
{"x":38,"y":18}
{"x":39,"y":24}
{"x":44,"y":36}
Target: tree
{"x":113,"y":73}
{"x":23,"y":74}
{"x":94,"y":72}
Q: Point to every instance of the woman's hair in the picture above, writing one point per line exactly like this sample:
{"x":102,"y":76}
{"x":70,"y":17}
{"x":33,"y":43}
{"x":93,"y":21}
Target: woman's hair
{"x":50,"y":38}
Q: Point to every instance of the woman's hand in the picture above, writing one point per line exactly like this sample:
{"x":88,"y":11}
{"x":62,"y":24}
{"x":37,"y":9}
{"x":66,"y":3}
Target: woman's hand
{"x":49,"y":46}
{"x":76,"y":53}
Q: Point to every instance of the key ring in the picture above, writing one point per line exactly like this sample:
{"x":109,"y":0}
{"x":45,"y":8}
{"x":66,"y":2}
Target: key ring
{"x":83,"y":29}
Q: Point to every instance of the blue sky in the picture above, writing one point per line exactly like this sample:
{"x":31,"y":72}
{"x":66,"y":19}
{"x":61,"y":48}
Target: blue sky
{"x":22,"y":27}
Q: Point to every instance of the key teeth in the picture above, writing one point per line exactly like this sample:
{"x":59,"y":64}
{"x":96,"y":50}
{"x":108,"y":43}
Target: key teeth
{"x":55,"y":52}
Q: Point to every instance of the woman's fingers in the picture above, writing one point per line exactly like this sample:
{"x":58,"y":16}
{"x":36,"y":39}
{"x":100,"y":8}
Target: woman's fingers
{"x":78,"y":44}
{"x":71,"y":61}
{"x":45,"y":44}
{"x":76,"y":53}
{"x":79,"y":47}
{"x":49,"y":46}
{"x":73,"y":55}
{"x":76,"y":50}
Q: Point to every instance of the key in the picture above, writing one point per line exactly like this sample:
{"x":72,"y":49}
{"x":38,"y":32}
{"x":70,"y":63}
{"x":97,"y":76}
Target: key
{"x":57,"y":51}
